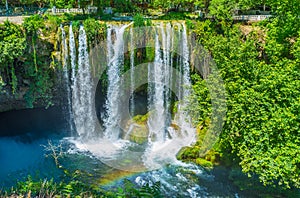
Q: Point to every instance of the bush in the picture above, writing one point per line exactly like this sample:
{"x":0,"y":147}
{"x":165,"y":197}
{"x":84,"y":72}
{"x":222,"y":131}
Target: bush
{"x":33,"y":23}
{"x":204,"y":163}
{"x":138,"y":20}
{"x":95,"y":30}
{"x":77,"y":188}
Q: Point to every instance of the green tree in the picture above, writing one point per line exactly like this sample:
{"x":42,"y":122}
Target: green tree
{"x":176,"y":4}
{"x":42,"y":3}
{"x":12,"y":46}
{"x":248,"y":4}
{"x":32,"y":26}
{"x":84,"y":4}
{"x":261,"y":75}
{"x":63,"y":3}
{"x":101,"y":4}
{"x":222,"y":9}
{"x":124,"y":6}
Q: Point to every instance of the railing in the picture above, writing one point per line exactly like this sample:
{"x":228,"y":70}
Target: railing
{"x":19,"y":11}
{"x":251,"y":17}
{"x":88,"y":10}
{"x":236,"y":17}
{"x":71,"y":10}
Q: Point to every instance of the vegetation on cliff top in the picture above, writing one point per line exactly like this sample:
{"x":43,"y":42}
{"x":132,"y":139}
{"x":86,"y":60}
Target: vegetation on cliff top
{"x":29,"y":62}
{"x":261,"y":75}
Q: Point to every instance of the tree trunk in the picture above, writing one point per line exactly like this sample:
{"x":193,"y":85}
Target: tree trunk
{"x":207,"y":2}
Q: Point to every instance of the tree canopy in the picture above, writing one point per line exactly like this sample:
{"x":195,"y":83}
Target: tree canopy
{"x":262,"y":79}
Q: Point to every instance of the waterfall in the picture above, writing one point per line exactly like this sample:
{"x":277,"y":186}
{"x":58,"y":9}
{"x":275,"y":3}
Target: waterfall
{"x":164,"y":140}
{"x":66,"y":75}
{"x":132,"y":49}
{"x":156,"y":121}
{"x":160,"y":95}
{"x":185,"y":80}
{"x":167,"y":63}
{"x":72,"y":47}
{"x":179,"y":60}
{"x":186,"y":65}
{"x":82,"y":88}
{"x":72,"y":51}
{"x":115,"y":57}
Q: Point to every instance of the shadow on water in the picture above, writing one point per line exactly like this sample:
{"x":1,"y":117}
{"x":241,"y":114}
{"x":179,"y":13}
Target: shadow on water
{"x":32,"y":123}
{"x":23,"y":135}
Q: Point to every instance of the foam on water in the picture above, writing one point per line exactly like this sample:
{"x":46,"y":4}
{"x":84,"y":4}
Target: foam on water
{"x":112,"y":146}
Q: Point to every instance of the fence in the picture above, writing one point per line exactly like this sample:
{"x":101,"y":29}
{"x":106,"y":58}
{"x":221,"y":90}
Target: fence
{"x":19,"y":11}
{"x":89,"y":10}
{"x":251,"y":17}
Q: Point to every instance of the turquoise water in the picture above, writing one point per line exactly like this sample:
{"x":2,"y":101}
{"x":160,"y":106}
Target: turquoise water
{"x":26,"y":152}
{"x":20,"y":158}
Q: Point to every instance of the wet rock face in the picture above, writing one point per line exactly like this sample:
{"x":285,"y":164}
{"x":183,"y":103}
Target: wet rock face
{"x":139,"y":134}
{"x":136,"y":131}
{"x":18,"y":101}
{"x":10,"y":102}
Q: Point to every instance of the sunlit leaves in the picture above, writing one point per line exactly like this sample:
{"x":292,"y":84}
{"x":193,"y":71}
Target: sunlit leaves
{"x":12,"y":46}
{"x":262,"y":79}
{"x":33,"y":24}
{"x":94,"y":29}
{"x":12,"y":43}
{"x":222,"y":9}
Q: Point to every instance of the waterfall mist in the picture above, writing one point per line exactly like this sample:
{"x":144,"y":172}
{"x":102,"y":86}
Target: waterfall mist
{"x":150,"y":144}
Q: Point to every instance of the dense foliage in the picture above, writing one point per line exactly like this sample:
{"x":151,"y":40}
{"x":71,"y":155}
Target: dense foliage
{"x":12,"y":46}
{"x":76,"y":188}
{"x":29,"y":66}
{"x":260,"y":69}
{"x":219,"y":8}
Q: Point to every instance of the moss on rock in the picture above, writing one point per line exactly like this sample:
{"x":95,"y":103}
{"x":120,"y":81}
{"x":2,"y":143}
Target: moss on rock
{"x":139,"y":134}
{"x":204,"y":163}
{"x":141,"y":119}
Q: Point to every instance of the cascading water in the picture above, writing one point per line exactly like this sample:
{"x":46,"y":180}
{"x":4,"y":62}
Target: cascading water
{"x":163,"y":140}
{"x":166,"y":39}
{"x":156,"y":121}
{"x":185,"y":81}
{"x":72,"y":49}
{"x":167,"y":141}
{"x":82,"y":89}
{"x":115,"y":57}
{"x":186,"y":65}
{"x":66,"y":75}
{"x":132,"y":49}
{"x":168,"y":64}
